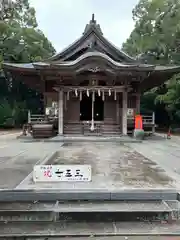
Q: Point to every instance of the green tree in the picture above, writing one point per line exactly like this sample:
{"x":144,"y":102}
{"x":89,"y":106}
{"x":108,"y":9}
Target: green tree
{"x":156,"y":39}
{"x":20,"y":42}
{"x":20,"y":39}
{"x":157,"y":31}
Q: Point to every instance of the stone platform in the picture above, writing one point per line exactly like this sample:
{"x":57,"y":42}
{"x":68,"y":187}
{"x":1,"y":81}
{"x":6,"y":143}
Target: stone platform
{"x":123,"y":181}
{"x":117,"y":172}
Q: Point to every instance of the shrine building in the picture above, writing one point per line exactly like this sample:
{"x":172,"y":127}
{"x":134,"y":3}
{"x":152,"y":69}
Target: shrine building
{"x":94,"y":83}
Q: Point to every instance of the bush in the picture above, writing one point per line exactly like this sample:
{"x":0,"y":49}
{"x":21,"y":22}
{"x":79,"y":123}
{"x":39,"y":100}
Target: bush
{"x":12,"y":116}
{"x":9,"y":123}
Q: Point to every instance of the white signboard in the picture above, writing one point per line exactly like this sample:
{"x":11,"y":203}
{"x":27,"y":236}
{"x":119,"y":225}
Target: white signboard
{"x":62,"y":173}
{"x":130,"y":112}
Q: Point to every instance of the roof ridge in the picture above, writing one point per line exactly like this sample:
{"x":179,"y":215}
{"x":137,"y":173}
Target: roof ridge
{"x":93,"y":24}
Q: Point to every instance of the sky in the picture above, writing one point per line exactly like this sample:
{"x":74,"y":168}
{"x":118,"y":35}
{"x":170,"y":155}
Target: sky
{"x":63,"y":21}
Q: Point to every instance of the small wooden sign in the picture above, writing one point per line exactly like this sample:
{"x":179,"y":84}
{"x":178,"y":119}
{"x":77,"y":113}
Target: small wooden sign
{"x":138,"y":122}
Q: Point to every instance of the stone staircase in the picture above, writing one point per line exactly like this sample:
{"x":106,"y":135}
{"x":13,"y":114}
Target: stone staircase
{"x":97,"y":129}
{"x":73,"y":128}
{"x":111,"y":129}
{"x":101,"y":128}
{"x":40,"y":220}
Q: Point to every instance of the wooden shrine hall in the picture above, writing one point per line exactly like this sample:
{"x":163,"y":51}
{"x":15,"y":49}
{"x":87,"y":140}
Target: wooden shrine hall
{"x":94,"y":84}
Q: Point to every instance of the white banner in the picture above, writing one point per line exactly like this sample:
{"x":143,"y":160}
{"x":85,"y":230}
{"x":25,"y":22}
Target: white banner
{"x":62,"y":173}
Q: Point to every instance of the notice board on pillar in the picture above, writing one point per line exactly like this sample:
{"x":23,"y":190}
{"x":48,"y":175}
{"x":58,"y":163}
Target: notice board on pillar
{"x":138,"y":122}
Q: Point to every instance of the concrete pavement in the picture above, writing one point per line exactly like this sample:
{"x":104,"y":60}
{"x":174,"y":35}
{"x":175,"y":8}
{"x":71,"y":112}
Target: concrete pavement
{"x":164,"y":152}
{"x":115,"y":167}
{"x":17,"y":158}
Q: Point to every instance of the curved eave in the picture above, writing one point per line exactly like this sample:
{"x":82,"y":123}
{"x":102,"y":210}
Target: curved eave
{"x":173,"y":69}
{"x":97,"y":58}
{"x":160,"y":75}
{"x":27,"y":67}
{"x":76,"y":43}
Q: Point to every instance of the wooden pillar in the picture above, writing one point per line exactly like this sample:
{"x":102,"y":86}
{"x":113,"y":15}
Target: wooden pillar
{"x":60,"y":113}
{"x":43,"y":81}
{"x":138,"y":101}
{"x":124,"y":112}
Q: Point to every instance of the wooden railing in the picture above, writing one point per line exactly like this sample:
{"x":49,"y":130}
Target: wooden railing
{"x":37,"y":118}
{"x":147,"y":119}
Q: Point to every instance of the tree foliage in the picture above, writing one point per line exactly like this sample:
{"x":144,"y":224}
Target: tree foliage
{"x":157,"y":31}
{"x":20,"y":42}
{"x":156,"y":39}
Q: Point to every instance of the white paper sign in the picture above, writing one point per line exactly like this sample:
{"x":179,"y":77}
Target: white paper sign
{"x":62,"y":173}
{"x":130,"y":112}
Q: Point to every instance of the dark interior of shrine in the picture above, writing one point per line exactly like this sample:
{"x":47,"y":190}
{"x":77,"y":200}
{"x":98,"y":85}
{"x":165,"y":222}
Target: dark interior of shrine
{"x":86,"y":108}
{"x":98,"y":108}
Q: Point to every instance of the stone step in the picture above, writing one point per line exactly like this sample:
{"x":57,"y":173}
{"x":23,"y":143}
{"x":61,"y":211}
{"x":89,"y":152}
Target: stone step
{"x":72,"y":129}
{"x":64,"y":219}
{"x":110,"y":129}
{"x":83,"y":211}
{"x":96,"y":230}
{"x":101,"y":129}
{"x":111,"y":134}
